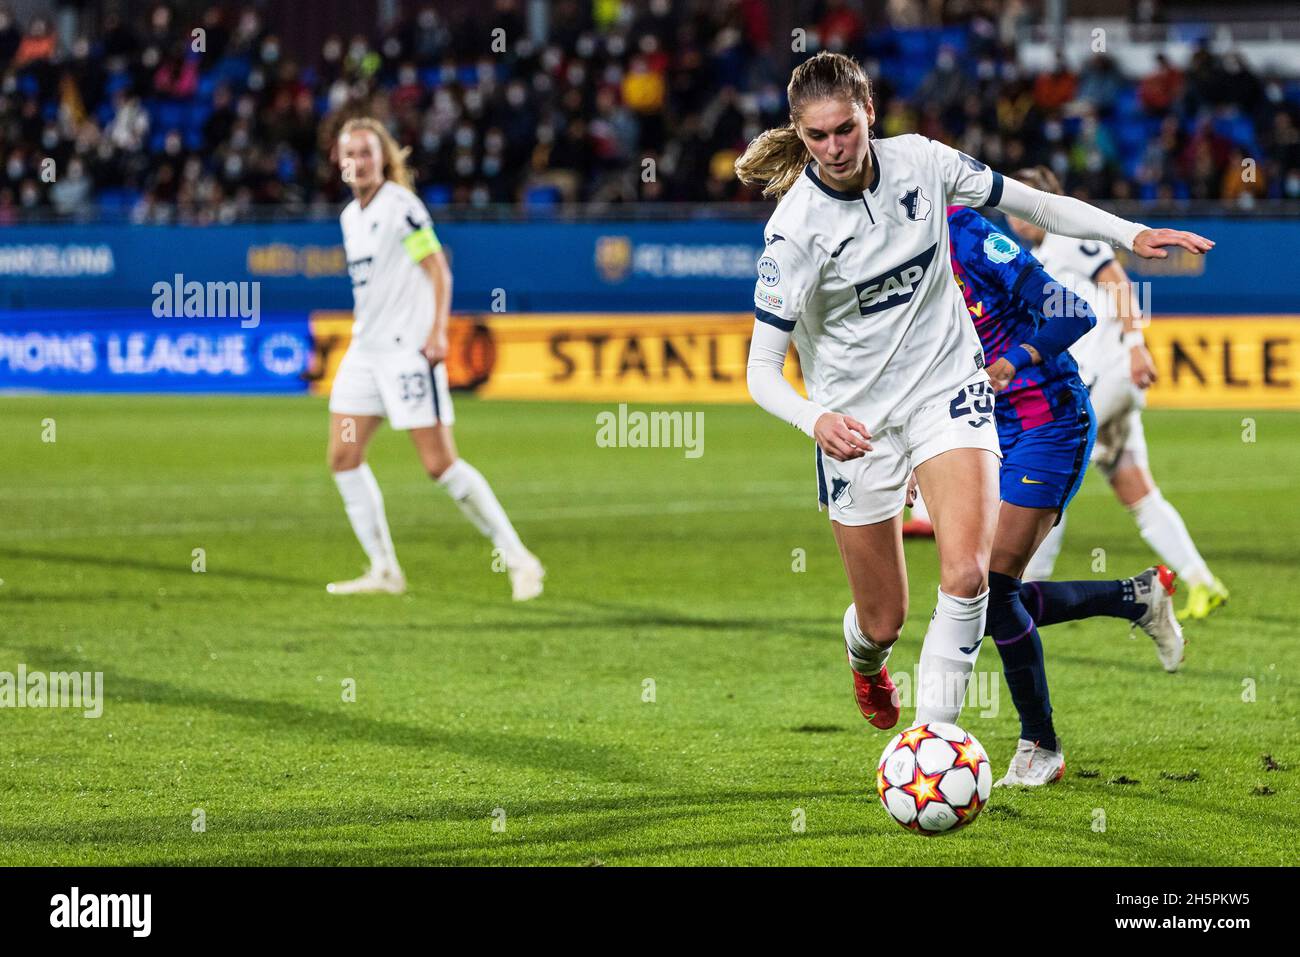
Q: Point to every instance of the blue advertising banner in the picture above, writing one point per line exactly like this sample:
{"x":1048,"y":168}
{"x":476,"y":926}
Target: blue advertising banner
{"x":132,"y":351}
{"x":515,"y":268}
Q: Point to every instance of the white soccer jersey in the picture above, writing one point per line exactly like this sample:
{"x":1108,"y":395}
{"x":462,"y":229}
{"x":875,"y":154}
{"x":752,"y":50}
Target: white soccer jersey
{"x":863,"y":281}
{"x":393,"y":298}
{"x":1074,"y":264}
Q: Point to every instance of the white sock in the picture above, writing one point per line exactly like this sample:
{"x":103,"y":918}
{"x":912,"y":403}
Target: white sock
{"x":1162,"y":528}
{"x":952,"y":643}
{"x":364,"y":504}
{"x":865,"y":656}
{"x":473,"y":495}
{"x":1044,"y":560}
{"x":918,"y":507}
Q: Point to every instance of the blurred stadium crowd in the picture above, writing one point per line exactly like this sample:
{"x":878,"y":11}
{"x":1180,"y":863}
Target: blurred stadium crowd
{"x":143,"y":120}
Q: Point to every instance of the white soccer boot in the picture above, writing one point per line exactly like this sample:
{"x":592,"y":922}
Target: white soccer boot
{"x":389,"y":581}
{"x":1033,"y":766}
{"x":1155,"y":588}
{"x":526,"y":574}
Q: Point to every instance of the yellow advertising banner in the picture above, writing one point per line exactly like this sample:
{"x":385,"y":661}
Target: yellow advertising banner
{"x":697,"y":357}
{"x":625,"y":357}
{"x":1225,"y":362}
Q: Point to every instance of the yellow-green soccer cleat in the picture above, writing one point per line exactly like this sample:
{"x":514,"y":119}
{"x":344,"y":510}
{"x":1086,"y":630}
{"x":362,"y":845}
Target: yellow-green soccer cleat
{"x":1203,"y":599}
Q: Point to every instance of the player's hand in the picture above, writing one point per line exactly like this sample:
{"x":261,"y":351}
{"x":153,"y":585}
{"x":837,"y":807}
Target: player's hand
{"x":1000,"y":374}
{"x":911,"y":490}
{"x":1142,"y":367}
{"x":841,"y":437}
{"x":1150,"y":242}
{"x":435,"y":349}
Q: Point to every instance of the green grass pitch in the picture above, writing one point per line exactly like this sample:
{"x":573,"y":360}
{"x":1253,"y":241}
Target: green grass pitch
{"x":224,"y":689}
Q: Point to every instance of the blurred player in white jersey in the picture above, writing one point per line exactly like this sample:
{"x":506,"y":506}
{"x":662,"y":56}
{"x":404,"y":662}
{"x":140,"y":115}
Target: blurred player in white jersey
{"x":1117,"y":368}
{"x":395,"y":368}
{"x":856,"y":270}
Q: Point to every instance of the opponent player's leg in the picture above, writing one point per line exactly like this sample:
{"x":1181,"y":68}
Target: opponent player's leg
{"x":350,"y":434}
{"x":1143,"y":600}
{"x":960,"y":486}
{"x":1039,"y":758}
{"x":477,"y":502}
{"x":1161,"y":527}
{"x":877,"y":574}
{"x":1042,"y":469}
{"x":1043,"y":563}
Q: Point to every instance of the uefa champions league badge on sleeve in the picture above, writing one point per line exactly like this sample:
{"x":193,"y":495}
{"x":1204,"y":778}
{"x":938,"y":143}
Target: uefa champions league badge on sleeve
{"x":769,"y":273}
{"x":999,"y":248}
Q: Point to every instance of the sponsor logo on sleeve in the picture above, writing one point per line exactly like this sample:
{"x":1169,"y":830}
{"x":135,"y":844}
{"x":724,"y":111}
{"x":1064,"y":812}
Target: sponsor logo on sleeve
{"x":775,"y":300}
{"x":999,"y":248}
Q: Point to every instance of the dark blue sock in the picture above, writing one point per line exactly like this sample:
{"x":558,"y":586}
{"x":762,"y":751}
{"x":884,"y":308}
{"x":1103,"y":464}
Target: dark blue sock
{"x":1021,"y":649}
{"x":1051,"y":602}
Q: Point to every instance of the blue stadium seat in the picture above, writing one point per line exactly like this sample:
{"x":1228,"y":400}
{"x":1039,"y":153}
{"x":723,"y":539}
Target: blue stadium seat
{"x":208,"y":83}
{"x":542,"y":198}
{"x":117,"y":200}
{"x":436,"y":195}
{"x":1239,"y":129}
{"x":197,"y":114}
{"x":118,"y":81}
{"x":1126,"y":104}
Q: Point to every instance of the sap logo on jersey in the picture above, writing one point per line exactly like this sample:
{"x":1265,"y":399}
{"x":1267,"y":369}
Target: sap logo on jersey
{"x":895,"y":287}
{"x":769,"y":273}
{"x":999,"y":248}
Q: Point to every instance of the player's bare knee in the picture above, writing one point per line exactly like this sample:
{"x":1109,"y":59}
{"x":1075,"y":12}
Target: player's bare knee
{"x":883,"y":630}
{"x":345,"y":459}
{"x":964,"y":579}
{"x":437,"y":467}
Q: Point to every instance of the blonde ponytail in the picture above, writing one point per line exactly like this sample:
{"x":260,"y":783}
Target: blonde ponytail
{"x":395,"y":156}
{"x":774,"y":160}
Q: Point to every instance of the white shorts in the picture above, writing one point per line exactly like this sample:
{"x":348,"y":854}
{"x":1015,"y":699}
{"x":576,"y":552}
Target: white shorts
{"x":1121,"y":440}
{"x":398,"y":385}
{"x":873,"y":488}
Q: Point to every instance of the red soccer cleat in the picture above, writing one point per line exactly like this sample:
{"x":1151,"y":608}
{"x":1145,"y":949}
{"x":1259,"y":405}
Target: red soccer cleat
{"x":877,"y":698}
{"x":918,"y":528}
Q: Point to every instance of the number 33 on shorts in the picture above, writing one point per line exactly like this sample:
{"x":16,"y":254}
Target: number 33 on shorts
{"x":973,"y":402}
{"x":414,"y":386}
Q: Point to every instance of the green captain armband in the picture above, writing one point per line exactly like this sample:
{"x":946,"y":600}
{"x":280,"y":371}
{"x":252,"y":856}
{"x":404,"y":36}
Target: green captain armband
{"x":421,"y":243}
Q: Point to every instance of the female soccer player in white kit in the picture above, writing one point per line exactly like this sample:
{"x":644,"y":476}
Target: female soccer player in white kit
{"x":401,"y":285}
{"x":1116,"y":366}
{"x":856,"y":267}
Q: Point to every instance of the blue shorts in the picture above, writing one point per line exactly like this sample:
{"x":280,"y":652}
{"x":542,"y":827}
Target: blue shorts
{"x":1044,"y":467}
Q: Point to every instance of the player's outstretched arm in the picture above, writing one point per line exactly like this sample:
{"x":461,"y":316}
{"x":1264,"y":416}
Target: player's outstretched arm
{"x":1068,"y":216}
{"x":1150,"y":243}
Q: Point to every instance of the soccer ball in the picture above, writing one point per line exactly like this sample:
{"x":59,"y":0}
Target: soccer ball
{"x":934,"y":778}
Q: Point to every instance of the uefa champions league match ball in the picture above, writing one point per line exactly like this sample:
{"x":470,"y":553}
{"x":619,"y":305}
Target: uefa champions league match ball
{"x":934,"y":778}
